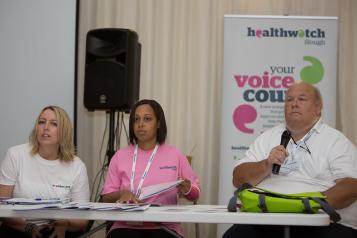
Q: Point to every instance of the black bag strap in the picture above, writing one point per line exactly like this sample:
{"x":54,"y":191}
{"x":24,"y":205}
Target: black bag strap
{"x":334,"y":216}
{"x":262,"y":205}
{"x":307,"y":206}
{"x":232,"y":204}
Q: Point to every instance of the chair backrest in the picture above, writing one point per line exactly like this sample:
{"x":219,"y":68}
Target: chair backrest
{"x":189,"y":158}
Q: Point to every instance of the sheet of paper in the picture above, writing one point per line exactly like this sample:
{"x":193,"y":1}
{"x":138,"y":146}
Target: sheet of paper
{"x":76,"y":205}
{"x":22,"y":207}
{"x":156,"y":189}
{"x":35,"y":201}
{"x":119,"y":206}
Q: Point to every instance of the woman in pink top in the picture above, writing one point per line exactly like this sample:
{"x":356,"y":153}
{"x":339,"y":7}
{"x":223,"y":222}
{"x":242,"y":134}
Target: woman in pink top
{"x":148,"y":161}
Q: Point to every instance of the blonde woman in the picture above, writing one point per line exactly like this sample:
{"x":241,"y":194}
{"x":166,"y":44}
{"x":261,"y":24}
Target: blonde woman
{"x":46,"y":167}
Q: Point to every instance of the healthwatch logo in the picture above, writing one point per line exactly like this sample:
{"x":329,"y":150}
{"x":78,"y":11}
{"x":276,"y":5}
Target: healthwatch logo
{"x":282,"y":32}
{"x":269,"y":88}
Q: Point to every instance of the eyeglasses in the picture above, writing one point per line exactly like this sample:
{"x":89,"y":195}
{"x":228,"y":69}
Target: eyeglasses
{"x":305,"y":147}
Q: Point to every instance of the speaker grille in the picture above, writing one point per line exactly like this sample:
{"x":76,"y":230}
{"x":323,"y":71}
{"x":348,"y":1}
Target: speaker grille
{"x":112,"y":72}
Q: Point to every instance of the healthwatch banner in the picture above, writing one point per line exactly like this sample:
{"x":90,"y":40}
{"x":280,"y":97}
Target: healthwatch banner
{"x":263,"y":56}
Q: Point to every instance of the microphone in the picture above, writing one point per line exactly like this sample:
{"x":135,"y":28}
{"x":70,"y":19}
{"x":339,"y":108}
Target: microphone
{"x":285,"y":137}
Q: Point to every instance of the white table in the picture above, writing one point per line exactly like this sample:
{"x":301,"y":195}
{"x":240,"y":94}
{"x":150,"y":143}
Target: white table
{"x":179,"y":213}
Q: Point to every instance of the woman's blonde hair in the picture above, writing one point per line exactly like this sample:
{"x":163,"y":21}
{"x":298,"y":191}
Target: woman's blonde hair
{"x":66,"y":147}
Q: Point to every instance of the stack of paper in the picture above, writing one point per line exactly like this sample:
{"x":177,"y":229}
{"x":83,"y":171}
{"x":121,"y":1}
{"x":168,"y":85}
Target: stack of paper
{"x":120,"y":206}
{"x":35,"y":201}
{"x":84,"y":206}
{"x":35,"y":206}
{"x":56,"y":203}
{"x":156,"y":189}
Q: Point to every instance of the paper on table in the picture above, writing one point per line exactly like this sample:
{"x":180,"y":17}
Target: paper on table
{"x":156,"y":189}
{"x":119,"y":206}
{"x":24,"y":207}
{"x":35,"y":201}
{"x":85,"y":206}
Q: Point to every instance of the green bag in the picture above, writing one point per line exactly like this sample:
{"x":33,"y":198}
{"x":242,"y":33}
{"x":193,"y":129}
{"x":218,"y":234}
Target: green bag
{"x":254,"y":199}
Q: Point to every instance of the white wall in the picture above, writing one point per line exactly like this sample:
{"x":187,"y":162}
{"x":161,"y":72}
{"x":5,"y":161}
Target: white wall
{"x":37,"y":62}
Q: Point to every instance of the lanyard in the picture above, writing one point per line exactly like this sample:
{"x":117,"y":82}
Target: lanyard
{"x":303,"y":140}
{"x":133,"y":168}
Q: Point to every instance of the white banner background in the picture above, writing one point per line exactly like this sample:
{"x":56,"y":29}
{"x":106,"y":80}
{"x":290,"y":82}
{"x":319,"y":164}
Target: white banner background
{"x":263,"y":55}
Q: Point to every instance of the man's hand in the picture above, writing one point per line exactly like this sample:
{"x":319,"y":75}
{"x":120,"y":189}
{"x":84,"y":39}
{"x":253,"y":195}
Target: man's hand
{"x":277,"y":155}
{"x":343,"y":194}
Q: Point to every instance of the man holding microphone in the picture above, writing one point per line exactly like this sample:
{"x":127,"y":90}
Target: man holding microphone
{"x":315,"y":158}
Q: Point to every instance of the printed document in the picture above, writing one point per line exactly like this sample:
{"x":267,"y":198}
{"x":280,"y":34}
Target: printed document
{"x":156,"y":189}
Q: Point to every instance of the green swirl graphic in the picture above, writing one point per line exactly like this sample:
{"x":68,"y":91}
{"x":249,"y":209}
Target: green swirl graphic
{"x":314,"y":73}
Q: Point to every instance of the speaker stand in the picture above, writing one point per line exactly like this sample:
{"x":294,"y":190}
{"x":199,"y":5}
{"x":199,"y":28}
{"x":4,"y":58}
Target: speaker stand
{"x":111,"y":151}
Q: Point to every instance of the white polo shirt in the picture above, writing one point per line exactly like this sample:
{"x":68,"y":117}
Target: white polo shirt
{"x":314,"y":163}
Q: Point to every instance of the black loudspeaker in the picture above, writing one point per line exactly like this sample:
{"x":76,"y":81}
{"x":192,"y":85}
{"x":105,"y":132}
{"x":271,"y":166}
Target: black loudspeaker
{"x":112,"y":70}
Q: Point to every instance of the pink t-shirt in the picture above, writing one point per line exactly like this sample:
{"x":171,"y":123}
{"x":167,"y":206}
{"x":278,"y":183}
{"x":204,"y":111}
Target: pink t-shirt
{"x":168,"y":165}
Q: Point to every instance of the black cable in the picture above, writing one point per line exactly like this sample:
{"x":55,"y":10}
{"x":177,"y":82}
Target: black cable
{"x":99,"y":176}
{"x":117,"y":132}
{"x":126,"y":131}
{"x":120,"y":128}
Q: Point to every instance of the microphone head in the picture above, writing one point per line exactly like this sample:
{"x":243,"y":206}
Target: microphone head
{"x":286,"y":133}
{"x":285,"y":138}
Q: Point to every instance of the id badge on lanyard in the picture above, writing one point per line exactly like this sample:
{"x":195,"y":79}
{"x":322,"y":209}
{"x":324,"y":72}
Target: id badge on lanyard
{"x":293,"y":163}
{"x":133,"y":168}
